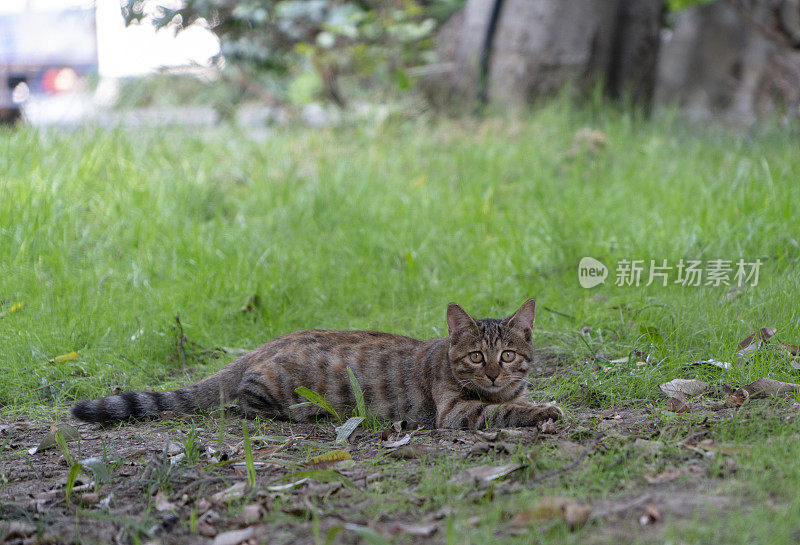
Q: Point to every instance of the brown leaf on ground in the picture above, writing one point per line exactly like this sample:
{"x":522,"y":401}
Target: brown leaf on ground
{"x":753,"y":342}
{"x":678,"y":404}
{"x":687,"y":387}
{"x":503,"y":447}
{"x":651,"y":515}
{"x":762,"y":387}
{"x":409,"y":452}
{"x":484,"y":474}
{"x":571,"y":512}
{"x":70,"y":433}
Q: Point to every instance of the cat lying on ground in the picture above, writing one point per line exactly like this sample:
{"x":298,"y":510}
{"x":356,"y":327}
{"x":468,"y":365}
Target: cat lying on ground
{"x":474,"y":378}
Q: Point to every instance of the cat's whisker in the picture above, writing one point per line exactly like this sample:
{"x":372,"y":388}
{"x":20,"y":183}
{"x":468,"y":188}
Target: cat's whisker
{"x":526,"y":381}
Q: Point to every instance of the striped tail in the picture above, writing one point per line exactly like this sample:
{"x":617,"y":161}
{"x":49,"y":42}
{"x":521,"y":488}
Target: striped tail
{"x":219,"y":388}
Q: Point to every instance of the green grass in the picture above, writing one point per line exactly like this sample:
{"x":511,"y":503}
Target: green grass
{"x":107,"y":236}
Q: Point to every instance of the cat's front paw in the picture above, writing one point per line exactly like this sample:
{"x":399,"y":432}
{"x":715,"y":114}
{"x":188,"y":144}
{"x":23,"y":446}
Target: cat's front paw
{"x":542,"y":414}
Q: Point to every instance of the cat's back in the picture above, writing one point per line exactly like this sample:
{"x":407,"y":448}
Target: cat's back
{"x":321,"y":349}
{"x":388,"y":367}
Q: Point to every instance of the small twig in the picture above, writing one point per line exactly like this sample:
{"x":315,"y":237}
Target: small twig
{"x":63,"y":380}
{"x":559,"y":313}
{"x":49,"y":385}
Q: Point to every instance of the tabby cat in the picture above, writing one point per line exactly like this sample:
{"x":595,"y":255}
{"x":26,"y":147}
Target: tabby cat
{"x":474,"y":378}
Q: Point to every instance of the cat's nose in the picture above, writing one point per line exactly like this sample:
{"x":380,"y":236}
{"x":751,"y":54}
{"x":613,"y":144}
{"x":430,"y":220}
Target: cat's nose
{"x":492,"y":372}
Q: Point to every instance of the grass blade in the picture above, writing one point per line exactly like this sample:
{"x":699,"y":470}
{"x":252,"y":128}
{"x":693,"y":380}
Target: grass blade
{"x":62,"y":444}
{"x":361,"y":408}
{"x":317,"y":400}
{"x":248,"y":456}
{"x":74,"y":470}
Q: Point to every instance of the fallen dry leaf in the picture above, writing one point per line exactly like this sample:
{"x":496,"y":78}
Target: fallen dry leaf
{"x":687,"y":387}
{"x":328,"y":459}
{"x":678,"y":404}
{"x":753,"y":342}
{"x":70,"y":433}
{"x":482,"y":447}
{"x":65,"y":357}
{"x":409,"y":452}
{"x":484,"y":474}
{"x":553,"y":507}
{"x":399,"y":443}
{"x":762,"y":387}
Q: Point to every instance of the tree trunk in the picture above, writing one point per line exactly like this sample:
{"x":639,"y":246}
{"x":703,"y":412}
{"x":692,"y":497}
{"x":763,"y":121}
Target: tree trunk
{"x":541,"y":45}
{"x":723,"y":61}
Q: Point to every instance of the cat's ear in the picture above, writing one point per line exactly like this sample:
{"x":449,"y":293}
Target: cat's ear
{"x":523,"y":318}
{"x":457,"y":318}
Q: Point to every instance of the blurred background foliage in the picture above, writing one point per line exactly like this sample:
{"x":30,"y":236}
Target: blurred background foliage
{"x":299,"y":51}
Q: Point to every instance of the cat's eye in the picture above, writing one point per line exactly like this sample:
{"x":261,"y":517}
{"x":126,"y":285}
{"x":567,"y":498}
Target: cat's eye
{"x":508,"y":355}
{"x":475,"y":357}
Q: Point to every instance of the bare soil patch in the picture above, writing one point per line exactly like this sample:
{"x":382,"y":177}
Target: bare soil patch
{"x":159,"y":489}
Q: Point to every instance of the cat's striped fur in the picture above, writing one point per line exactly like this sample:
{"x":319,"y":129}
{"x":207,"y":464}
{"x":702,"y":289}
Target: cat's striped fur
{"x":473,"y":378}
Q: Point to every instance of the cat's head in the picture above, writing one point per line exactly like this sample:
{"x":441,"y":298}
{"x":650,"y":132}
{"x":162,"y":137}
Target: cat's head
{"x":491,"y":356}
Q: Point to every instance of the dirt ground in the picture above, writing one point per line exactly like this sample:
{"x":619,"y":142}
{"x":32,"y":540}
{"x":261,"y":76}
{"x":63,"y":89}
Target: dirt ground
{"x":154,"y":493}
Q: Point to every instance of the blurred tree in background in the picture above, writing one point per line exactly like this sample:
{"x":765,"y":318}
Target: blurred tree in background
{"x":740,"y":58}
{"x":300,"y":50}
